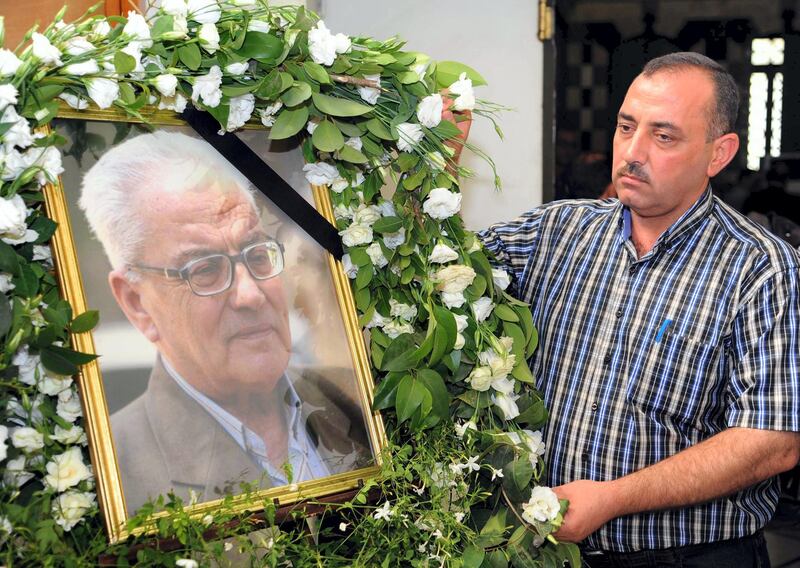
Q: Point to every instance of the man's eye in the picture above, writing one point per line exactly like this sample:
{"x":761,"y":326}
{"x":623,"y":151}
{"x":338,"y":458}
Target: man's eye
{"x":664,"y":138}
{"x":625,"y":128}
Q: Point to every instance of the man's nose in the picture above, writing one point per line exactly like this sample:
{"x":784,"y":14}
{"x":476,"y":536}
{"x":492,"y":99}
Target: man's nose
{"x":246,"y":291}
{"x":636,"y":148}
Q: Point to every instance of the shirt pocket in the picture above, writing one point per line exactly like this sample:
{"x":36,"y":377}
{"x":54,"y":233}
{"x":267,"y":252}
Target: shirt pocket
{"x":678,"y":381}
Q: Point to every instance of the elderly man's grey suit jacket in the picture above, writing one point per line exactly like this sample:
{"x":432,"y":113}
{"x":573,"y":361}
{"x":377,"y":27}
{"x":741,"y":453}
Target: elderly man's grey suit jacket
{"x":165,"y":441}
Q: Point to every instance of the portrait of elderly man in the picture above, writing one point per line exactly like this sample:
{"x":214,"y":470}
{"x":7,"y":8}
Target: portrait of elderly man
{"x":197,"y":274}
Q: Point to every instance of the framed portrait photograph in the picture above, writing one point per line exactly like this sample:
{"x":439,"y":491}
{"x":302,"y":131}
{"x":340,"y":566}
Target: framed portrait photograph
{"x":230,"y":354}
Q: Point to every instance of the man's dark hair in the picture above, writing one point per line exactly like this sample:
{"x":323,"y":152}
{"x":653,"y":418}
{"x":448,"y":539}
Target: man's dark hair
{"x":722,"y":118}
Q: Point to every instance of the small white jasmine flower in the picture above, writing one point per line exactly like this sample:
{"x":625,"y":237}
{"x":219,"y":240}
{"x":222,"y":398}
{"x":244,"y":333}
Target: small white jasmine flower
{"x":461,"y":429}
{"x":385,"y":512}
{"x":495,"y":473}
{"x":342,"y":527}
{"x":472,"y":464}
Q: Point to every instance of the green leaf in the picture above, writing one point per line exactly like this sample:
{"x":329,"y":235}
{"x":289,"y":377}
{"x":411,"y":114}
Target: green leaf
{"x":264,"y":48}
{"x":493,"y":532}
{"x":85,"y":322}
{"x":481,"y":265}
{"x":190,"y":56}
{"x":411,"y":394}
{"x":63,"y":361}
{"x":298,"y":93}
{"x":388,"y":225}
{"x":350,"y":154}
{"x":9,"y":261}
{"x":123,"y":63}
{"x":380,"y":130}
{"x":473,"y":556}
{"x":435,"y":384}
{"x":533,"y":343}
{"x":534,"y":416}
{"x":335,"y":106}
{"x":25,"y":281}
{"x":220,"y":112}
{"x":348,"y":128}
{"x":522,"y":372}
{"x":513,"y":331}
{"x":44,"y":227}
{"x":447,"y":129}
{"x":386,"y":391}
{"x":236,"y":90}
{"x":316,"y":72}
{"x":517,"y":474}
{"x":507,"y":314}
{"x":5,"y":317}
{"x":364,"y":276}
{"x":161,"y":25}
{"x":326,"y":137}
{"x":400,"y":355}
{"x":447,"y":73}
{"x":289,"y":123}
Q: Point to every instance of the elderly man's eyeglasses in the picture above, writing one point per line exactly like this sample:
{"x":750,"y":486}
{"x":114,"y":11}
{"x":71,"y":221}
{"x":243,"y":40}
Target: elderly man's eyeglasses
{"x":213,"y":274}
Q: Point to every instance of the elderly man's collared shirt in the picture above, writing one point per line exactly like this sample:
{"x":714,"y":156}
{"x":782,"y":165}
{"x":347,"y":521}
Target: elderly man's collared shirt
{"x":304,"y":460}
{"x":640,"y":358}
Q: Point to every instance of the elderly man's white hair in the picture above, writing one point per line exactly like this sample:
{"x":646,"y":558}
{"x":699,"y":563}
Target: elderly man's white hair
{"x":160,"y":161}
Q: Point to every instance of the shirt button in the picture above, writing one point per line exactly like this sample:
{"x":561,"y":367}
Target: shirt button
{"x":594,"y":406}
{"x":619,"y":313}
{"x":607,"y":358}
{"x":632,"y":268}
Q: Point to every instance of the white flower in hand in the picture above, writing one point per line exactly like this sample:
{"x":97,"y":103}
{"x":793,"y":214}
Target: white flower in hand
{"x":463,"y":88}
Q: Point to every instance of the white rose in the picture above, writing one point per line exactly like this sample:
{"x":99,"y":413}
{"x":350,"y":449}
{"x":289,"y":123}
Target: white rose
{"x":500,"y":278}
{"x":8,"y":95}
{"x":480,"y":379}
{"x":442,"y":253}
{"x":204,"y":11}
{"x":66,"y":470}
{"x":349,"y":268}
{"x":542,"y":507}
{"x":166,"y":84}
{"x":20,"y":133}
{"x":207,"y":87}
{"x":241,"y":111}
{"x":394,"y":240}
{"x":3,"y":445}
{"x":12,"y":217}
{"x":102,"y":91}
{"x":401,"y":310}
{"x":466,"y":96}
{"x":366,"y":215}
{"x":174,"y":7}
{"x":69,"y":508}
{"x":15,"y":474}
{"x":9,"y":63}
{"x":322,"y":44}
{"x":176,"y":103}
{"x":375,"y":253}
{"x":45,"y":51}
{"x":454,"y":278}
{"x":409,"y":136}
{"x":356,"y":234}
{"x":27,"y":439}
{"x":442,"y":203}
{"x":268,"y":113}
{"x":370,"y":94}
{"x":209,"y":37}
{"x":343,"y":212}
{"x":395,"y":328}
{"x":13,"y":163}
{"x":377,"y":320}
{"x":69,"y":405}
{"x":237,"y":68}
{"x":137,"y":29}
{"x":429,"y":110}
{"x":453,"y":299}
{"x":49,"y":159}
{"x":75,"y":435}
{"x":52,"y":384}
{"x":320,"y":173}
{"x":482,"y":308}
{"x":507,"y":405}
{"x":258,"y":26}
{"x":74,"y":101}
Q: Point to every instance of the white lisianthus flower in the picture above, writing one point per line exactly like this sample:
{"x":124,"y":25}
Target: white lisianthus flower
{"x":375,"y":253}
{"x":13,"y":163}
{"x":102,"y":91}
{"x":542,"y":507}
{"x":442,"y":203}
{"x":461,"y":429}
{"x":78,"y":46}
{"x":482,"y":308}
{"x":356,"y":234}
{"x":3,"y":445}
{"x":480,"y":379}
{"x":180,"y":29}
{"x":137,"y":29}
{"x":268,"y":114}
{"x":66,"y":470}
{"x":442,"y":253}
{"x":366,"y":214}
{"x":320,"y":173}
{"x":342,"y":43}
{"x":501,"y":365}
{"x":377,"y":320}
{"x":459,"y":342}
{"x":237,"y":68}
{"x":500,"y":278}
{"x":435,"y":161}
{"x":74,"y":101}
{"x":370,"y":94}
{"x":8,"y":95}
{"x":429,"y":110}
{"x":394,"y":240}
{"x":322,"y":44}
{"x":101,"y":29}
{"x":507,"y":405}
{"x":355,"y":143}
{"x":204,"y":11}
{"x":349,"y":268}
{"x":395,"y":328}
{"x":27,"y":439}
{"x":311,"y":126}
{"x":20,"y":133}
{"x":503,"y":385}
{"x":12,"y":217}
{"x":401,"y":310}
{"x":258,"y":26}
{"x":166,"y":83}
{"x":30,"y":366}
{"x":45,"y":51}
{"x":207,"y":87}
{"x":420,"y":69}
{"x":15,"y":474}
{"x":70,"y":507}
{"x":387,"y":208}
{"x":69,"y":405}
{"x":176,"y":103}
{"x":454,"y":278}
{"x":9,"y":63}
{"x":75,"y":435}
{"x":5,"y":282}
{"x":186,"y":563}
{"x":453,"y":299}
{"x":209,"y":37}
{"x":466,"y":97}
{"x":49,"y":159}
{"x":531,"y":441}
{"x":409,"y":136}
{"x":241,"y":111}
{"x":174,"y":7}
{"x":135,"y":51}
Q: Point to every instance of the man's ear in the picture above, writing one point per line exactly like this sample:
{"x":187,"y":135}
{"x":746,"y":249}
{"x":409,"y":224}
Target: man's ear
{"x":725,"y":148}
{"x":129,"y":299}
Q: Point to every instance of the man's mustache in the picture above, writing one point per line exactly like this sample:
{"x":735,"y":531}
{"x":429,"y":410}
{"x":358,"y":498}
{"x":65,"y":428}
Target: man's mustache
{"x":634,"y":169}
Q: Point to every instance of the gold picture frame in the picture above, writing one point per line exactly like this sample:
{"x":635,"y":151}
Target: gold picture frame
{"x":110,"y":481}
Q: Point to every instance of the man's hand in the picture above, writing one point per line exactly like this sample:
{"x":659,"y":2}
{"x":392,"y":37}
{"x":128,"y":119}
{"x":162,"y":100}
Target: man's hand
{"x":591,"y":505}
{"x":462,"y":120}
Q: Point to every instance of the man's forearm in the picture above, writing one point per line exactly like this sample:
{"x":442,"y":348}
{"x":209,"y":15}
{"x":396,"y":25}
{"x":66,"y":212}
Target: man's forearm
{"x":722,"y":465}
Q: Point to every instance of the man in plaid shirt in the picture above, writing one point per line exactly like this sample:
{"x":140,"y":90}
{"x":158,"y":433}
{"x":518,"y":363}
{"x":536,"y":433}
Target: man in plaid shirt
{"x":670,"y":338}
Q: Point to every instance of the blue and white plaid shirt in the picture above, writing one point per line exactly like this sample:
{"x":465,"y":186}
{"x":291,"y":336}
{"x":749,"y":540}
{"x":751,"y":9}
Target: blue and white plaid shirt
{"x":640,"y":358}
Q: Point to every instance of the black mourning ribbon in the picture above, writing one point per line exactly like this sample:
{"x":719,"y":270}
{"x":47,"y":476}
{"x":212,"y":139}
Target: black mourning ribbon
{"x":266,"y":180}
